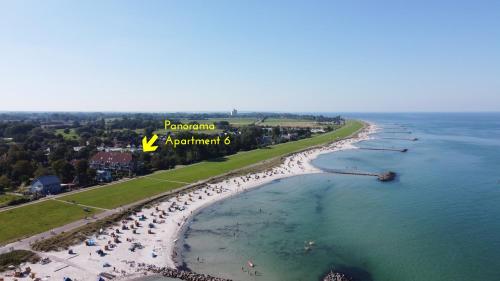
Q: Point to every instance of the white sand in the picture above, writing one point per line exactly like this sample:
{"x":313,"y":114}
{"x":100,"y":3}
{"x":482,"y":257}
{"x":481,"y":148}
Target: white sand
{"x":86,"y":264}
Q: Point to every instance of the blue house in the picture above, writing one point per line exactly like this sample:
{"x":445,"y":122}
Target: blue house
{"x":46,"y":185}
{"x":104,"y":176}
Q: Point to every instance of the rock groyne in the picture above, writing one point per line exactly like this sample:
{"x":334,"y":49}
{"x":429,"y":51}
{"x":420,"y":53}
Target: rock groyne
{"x":335,"y":276}
{"x":183,"y":275}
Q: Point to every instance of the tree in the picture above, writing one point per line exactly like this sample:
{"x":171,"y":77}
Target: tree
{"x":22,"y":170}
{"x":249,"y":137}
{"x":276,"y":134}
{"x":4,"y":183}
{"x":149,"y":131}
{"x":41,"y":171}
{"x":64,"y":170}
{"x":82,"y":172}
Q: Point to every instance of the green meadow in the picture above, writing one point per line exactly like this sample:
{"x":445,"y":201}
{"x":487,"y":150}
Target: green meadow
{"x":71,"y":135}
{"x":35,"y":218}
{"x":119,"y":194}
{"x":288,"y":122}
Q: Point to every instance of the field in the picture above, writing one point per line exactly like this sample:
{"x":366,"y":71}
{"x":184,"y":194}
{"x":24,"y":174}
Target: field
{"x":206,"y":132}
{"x":69,"y":136}
{"x":6,"y":198}
{"x":39,"y":217}
{"x":236,"y":121}
{"x":286,"y":122}
{"x":115,"y":195}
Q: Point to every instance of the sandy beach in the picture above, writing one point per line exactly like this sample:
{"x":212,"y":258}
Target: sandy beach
{"x":150,"y":236}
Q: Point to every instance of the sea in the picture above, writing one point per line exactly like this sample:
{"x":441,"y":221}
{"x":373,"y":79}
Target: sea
{"x":438,"y":220}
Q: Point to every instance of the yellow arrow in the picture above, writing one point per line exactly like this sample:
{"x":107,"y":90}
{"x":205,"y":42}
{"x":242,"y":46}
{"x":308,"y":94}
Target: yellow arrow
{"x":147,"y":146}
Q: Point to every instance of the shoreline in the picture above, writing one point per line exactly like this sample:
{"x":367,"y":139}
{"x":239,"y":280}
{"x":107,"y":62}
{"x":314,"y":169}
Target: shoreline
{"x":306,"y":167}
{"x":161,"y":227}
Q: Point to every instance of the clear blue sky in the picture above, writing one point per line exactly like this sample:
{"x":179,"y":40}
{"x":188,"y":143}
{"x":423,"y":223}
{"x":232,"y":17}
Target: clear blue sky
{"x":252,"y":55}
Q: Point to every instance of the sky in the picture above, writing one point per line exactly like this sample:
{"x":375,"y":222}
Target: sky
{"x":288,"y":56}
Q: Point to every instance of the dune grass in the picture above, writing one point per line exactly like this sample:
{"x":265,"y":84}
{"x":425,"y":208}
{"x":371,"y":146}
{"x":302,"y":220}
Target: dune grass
{"x":16,"y":258}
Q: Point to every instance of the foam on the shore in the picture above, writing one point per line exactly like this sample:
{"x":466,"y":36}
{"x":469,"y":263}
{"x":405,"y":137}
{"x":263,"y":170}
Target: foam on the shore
{"x":167,"y":218}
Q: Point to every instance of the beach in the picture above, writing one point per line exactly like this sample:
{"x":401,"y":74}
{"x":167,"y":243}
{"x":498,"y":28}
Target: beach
{"x":149,"y":237}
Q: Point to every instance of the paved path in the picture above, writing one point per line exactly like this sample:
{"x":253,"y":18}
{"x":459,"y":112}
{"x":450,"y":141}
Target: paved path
{"x":81,"y":205}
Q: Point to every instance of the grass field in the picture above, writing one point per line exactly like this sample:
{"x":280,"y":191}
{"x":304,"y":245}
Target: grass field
{"x":36,"y":218}
{"x":6,"y":198}
{"x":69,"y":136}
{"x":115,"y":195}
{"x":236,"y":121}
{"x":286,"y":122}
{"x":206,"y":132}
{"x":39,"y":217}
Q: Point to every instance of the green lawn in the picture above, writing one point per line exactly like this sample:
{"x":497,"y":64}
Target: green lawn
{"x":287,"y":122}
{"x":236,"y":121}
{"x":36,"y":218}
{"x":6,"y":198}
{"x":115,"y":195}
{"x":39,"y":217}
{"x":69,"y":136}
{"x":206,"y":132}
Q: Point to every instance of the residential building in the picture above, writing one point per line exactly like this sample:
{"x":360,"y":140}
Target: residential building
{"x":46,"y":185}
{"x":113,"y":161}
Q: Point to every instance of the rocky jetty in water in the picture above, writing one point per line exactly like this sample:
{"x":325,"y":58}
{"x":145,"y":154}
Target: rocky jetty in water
{"x":335,"y":276}
{"x":387,"y":176}
{"x":183,"y":275}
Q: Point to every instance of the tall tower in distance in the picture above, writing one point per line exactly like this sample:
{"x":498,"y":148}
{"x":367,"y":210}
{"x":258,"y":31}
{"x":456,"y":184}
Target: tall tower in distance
{"x":233,"y":112}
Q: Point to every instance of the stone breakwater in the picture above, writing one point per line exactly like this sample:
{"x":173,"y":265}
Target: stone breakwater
{"x":181,"y":274}
{"x":335,"y":276}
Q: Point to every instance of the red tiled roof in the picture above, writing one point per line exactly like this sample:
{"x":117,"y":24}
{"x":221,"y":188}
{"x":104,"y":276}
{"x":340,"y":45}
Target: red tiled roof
{"x":112,"y":157}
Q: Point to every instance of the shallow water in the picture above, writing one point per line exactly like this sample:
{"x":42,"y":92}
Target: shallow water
{"x":438,"y":221}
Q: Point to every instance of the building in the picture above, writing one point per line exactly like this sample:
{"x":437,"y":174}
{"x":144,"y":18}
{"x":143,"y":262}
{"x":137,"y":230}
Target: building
{"x":234,"y":112}
{"x":104,"y":176}
{"x":290,"y":136}
{"x":46,"y":185}
{"x":113,"y":161}
{"x":317,"y":130}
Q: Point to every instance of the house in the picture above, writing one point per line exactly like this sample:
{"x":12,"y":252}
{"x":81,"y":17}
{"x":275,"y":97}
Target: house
{"x":46,"y":185}
{"x":104,"y":176}
{"x":290,"y":136}
{"x":267,"y":140}
{"x":113,"y":161}
{"x":317,"y":130}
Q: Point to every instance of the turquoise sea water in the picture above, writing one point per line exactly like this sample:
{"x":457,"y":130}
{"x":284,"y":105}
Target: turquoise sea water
{"x":440,"y":220}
